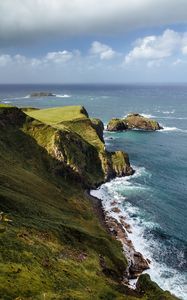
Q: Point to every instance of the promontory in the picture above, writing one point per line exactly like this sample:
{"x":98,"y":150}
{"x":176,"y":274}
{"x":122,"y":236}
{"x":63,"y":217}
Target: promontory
{"x":54,"y":242}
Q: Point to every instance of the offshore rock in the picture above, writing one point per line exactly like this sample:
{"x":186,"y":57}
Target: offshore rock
{"x":42,"y":94}
{"x":133,"y":121}
{"x":116,"y":125}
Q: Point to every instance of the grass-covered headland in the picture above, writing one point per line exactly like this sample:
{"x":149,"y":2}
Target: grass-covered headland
{"x":52,"y":244}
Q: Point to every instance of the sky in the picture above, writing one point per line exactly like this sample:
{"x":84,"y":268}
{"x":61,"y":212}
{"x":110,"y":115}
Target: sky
{"x":93,"y":41}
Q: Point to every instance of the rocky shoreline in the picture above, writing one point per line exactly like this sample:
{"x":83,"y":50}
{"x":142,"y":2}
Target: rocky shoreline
{"x":120,"y":229}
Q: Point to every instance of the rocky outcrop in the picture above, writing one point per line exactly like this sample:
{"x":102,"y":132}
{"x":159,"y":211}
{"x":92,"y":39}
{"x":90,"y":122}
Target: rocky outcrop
{"x":146,"y":286}
{"x":99,"y":127}
{"x":136,"y":262}
{"x":42,"y":94}
{"x":133,"y":121}
{"x":77,"y":148}
{"x":11,"y":116}
{"x":117,"y":125}
{"x":115,"y":164}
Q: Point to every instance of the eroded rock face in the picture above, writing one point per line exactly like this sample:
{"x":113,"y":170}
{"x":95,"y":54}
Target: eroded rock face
{"x":99,"y":127}
{"x":116,"y":125}
{"x":133,"y":121}
{"x":139,"y":122}
{"x":11,"y":116}
{"x":138,"y":265}
{"x":77,"y":155}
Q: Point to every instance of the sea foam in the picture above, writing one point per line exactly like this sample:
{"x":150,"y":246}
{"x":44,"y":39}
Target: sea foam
{"x":62,"y":96}
{"x":166,"y":129}
{"x":110,"y":193}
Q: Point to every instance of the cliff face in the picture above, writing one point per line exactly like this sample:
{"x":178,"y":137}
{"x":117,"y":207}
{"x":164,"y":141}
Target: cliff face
{"x":78,"y":145}
{"x":55,"y":246}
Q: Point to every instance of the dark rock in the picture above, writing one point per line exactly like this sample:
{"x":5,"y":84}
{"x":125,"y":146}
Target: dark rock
{"x":139,"y":265}
{"x":116,"y":125}
{"x":11,"y":116}
{"x":42,"y":94}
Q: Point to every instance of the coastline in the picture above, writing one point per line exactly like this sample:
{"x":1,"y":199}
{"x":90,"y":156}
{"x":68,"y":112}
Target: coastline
{"x":119,"y":229}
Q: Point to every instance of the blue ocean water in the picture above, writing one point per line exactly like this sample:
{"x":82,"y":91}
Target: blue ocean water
{"x":155,"y":198}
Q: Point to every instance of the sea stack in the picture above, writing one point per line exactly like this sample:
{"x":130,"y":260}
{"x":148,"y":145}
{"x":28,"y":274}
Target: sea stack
{"x":133,"y":121}
{"x":41,"y":94}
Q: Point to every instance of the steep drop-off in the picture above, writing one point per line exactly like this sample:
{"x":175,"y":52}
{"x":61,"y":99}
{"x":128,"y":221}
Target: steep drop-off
{"x":55,"y":247}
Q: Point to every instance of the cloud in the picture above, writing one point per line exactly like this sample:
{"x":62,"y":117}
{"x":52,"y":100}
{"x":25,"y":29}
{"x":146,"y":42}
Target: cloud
{"x":5,"y":59}
{"x":184,"y":50}
{"x":59,"y":57}
{"x":103,"y":51}
{"x":157,"y":48}
{"x":30,"y":19}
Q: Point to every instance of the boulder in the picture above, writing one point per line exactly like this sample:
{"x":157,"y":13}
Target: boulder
{"x":138,"y":265}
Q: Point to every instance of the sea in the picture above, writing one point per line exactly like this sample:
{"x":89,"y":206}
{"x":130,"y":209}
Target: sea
{"x":154,"y":199}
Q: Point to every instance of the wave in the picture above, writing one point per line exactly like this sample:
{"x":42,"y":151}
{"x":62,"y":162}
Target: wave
{"x":62,"y":96}
{"x":149,"y":116}
{"x":142,"y":234}
{"x":169,"y":112}
{"x":6,"y":102}
{"x":15,"y":98}
{"x":29,"y":96}
{"x":167,"y":129}
{"x":173,"y":118}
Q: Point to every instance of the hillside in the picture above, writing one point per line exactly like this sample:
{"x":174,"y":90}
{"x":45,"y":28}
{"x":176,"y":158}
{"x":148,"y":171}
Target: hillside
{"x":55,"y":247}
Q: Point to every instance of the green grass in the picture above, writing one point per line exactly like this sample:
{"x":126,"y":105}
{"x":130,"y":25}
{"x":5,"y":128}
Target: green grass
{"x":2,"y":105}
{"x":75,"y":118}
{"x":53,"y":247}
{"x":58,"y":114}
{"x":50,"y":222}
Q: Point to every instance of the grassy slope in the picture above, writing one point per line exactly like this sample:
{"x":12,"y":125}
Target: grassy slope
{"x":73,"y":117}
{"x":55,"y":247}
{"x":58,"y":114}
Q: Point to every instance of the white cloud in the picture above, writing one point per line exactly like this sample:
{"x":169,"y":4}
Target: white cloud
{"x":177,"y":62}
{"x":184,"y":50}
{"x":58,"y":57}
{"x":157,"y":48}
{"x":5,"y":59}
{"x":103,"y":51}
{"x":20,"y":59}
{"x":35,"y":18}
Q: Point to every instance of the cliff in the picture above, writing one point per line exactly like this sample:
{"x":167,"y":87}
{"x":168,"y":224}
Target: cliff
{"x":54,"y":247}
{"x":78,"y":142}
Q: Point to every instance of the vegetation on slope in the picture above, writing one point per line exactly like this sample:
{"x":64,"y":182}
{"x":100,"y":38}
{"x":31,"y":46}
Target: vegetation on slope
{"x":55,"y":248}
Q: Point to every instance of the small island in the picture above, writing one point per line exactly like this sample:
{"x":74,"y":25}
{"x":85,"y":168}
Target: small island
{"x":42,"y":94}
{"x":133,"y":121}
